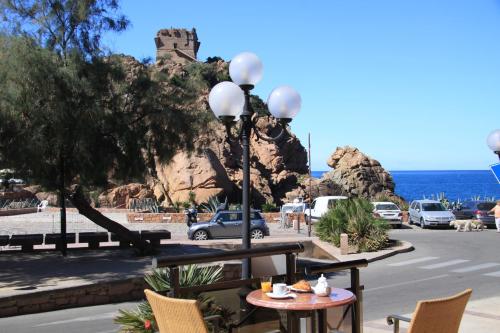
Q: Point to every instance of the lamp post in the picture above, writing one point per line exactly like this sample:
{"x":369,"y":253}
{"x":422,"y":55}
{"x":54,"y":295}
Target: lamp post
{"x":228,"y":100}
{"x":493,"y":142}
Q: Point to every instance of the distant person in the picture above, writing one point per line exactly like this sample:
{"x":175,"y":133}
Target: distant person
{"x":191,"y":215}
{"x":496,"y":211}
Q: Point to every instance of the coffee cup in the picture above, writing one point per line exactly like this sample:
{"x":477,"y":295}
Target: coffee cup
{"x":280,"y":289}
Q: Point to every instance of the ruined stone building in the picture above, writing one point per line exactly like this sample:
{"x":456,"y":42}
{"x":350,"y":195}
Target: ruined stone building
{"x":180,"y":45}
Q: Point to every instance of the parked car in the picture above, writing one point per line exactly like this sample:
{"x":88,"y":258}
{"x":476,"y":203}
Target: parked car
{"x":476,"y":209}
{"x":388,"y":211}
{"x":429,"y":213}
{"x":228,"y":224}
{"x":320,"y":206}
{"x":297,"y":206}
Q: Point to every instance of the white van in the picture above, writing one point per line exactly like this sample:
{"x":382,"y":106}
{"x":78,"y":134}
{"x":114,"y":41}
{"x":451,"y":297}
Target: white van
{"x":321,"y":205}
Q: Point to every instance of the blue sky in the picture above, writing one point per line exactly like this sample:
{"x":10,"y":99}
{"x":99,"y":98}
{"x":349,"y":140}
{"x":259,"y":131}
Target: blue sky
{"x":414,"y":84}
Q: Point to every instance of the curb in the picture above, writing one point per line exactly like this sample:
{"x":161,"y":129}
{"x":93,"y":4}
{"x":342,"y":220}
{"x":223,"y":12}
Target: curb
{"x":401,"y":247}
{"x":408,"y":247}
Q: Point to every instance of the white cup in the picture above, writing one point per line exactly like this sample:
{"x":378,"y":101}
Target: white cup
{"x":279,"y":289}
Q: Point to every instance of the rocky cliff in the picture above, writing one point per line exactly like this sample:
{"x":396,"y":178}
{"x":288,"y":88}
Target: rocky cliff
{"x":357,"y":174}
{"x":213,"y":167}
{"x":278,"y":170}
{"x":353,"y":174}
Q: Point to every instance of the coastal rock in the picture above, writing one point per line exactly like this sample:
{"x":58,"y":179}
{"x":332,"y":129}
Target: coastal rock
{"x":119,"y":197}
{"x":214,"y":168}
{"x":319,"y":187}
{"x":357,"y":174}
{"x":202,"y":173}
{"x":17,"y":194}
{"x":278,"y":169}
{"x":36,"y":191}
{"x":51,"y":197}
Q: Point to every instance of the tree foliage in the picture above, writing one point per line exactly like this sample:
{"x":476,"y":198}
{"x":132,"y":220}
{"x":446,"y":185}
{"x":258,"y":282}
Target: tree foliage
{"x":70,"y":114}
{"x":62,"y":102}
{"x":63,"y":25}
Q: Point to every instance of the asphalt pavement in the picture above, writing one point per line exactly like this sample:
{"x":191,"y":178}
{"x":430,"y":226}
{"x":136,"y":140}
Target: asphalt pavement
{"x":443,"y":263}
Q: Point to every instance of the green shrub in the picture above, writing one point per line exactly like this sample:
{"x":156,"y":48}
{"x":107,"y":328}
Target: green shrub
{"x":269,"y":207}
{"x":212,"y":204}
{"x":235,"y":206}
{"x":177,"y":205}
{"x":141,"y":320}
{"x":353,"y":217}
{"x":192,"y":197}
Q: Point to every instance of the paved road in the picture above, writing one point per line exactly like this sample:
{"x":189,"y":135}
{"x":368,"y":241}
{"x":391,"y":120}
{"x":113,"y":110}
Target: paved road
{"x":443,"y":263}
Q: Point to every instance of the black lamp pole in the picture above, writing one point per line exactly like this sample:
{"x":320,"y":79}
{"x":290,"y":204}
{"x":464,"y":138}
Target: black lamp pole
{"x":227,"y":102}
{"x":245,"y":131}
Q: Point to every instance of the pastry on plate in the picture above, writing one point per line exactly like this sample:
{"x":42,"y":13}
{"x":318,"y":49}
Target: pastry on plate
{"x":302,"y":285}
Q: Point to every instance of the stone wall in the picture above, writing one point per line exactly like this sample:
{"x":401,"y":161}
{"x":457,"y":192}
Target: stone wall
{"x":92,"y":294}
{"x":180,"y":217}
{"x":9,"y":212}
{"x":87,"y":295}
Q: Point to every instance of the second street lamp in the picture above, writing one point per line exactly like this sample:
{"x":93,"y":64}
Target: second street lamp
{"x":493,"y":142}
{"x":228,"y":100}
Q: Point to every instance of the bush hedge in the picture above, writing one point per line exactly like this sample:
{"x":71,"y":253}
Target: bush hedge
{"x":353,"y":217}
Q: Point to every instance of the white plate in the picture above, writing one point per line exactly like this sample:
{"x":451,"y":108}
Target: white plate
{"x":287,"y":295}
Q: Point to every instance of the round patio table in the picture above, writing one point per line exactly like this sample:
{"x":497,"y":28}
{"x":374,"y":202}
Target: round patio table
{"x":305,"y":302}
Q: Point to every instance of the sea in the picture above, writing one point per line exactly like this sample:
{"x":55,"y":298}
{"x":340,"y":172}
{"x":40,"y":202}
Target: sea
{"x":455,"y":184}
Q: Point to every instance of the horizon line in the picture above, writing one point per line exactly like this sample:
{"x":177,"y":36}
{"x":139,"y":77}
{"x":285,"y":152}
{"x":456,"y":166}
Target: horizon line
{"x":420,"y":170}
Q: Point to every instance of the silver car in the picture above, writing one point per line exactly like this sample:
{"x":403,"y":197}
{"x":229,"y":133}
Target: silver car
{"x":429,"y":213}
{"x":228,"y":224}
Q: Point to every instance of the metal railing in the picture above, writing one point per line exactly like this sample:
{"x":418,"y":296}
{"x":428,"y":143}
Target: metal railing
{"x":143,"y":205}
{"x":19,"y":204}
{"x":173,"y":263}
{"x":289,"y":250}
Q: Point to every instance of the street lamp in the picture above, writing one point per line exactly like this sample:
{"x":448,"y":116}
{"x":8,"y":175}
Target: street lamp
{"x":493,"y":142}
{"x":228,"y":100}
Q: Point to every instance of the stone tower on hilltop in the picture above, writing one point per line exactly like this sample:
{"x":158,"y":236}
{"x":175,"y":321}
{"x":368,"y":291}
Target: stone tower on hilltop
{"x":180,"y":45}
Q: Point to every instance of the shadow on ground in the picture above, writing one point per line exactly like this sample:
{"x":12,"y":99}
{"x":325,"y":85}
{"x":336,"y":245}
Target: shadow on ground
{"x":49,"y":269}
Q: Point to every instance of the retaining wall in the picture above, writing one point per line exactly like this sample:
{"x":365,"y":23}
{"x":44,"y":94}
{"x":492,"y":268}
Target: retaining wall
{"x":106,"y":292}
{"x":9,"y":212}
{"x":180,"y":217}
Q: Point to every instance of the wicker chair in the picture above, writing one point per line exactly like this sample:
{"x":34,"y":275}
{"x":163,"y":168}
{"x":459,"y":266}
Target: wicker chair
{"x":179,"y":315}
{"x":441,"y":315}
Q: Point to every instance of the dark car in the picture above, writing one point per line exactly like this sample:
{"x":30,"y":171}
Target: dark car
{"x":476,"y":210}
{"x":228,"y":224}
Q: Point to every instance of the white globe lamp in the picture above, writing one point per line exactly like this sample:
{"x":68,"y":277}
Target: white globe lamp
{"x":284,"y":102}
{"x":493,"y":141}
{"x":226,"y":100}
{"x":246,"y":69}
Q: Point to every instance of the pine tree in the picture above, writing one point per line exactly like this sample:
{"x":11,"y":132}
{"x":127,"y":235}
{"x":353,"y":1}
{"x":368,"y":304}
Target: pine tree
{"x":68,"y":112}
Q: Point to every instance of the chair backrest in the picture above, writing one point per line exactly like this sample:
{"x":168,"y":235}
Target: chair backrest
{"x":176,"y":315}
{"x":439,"y":315}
